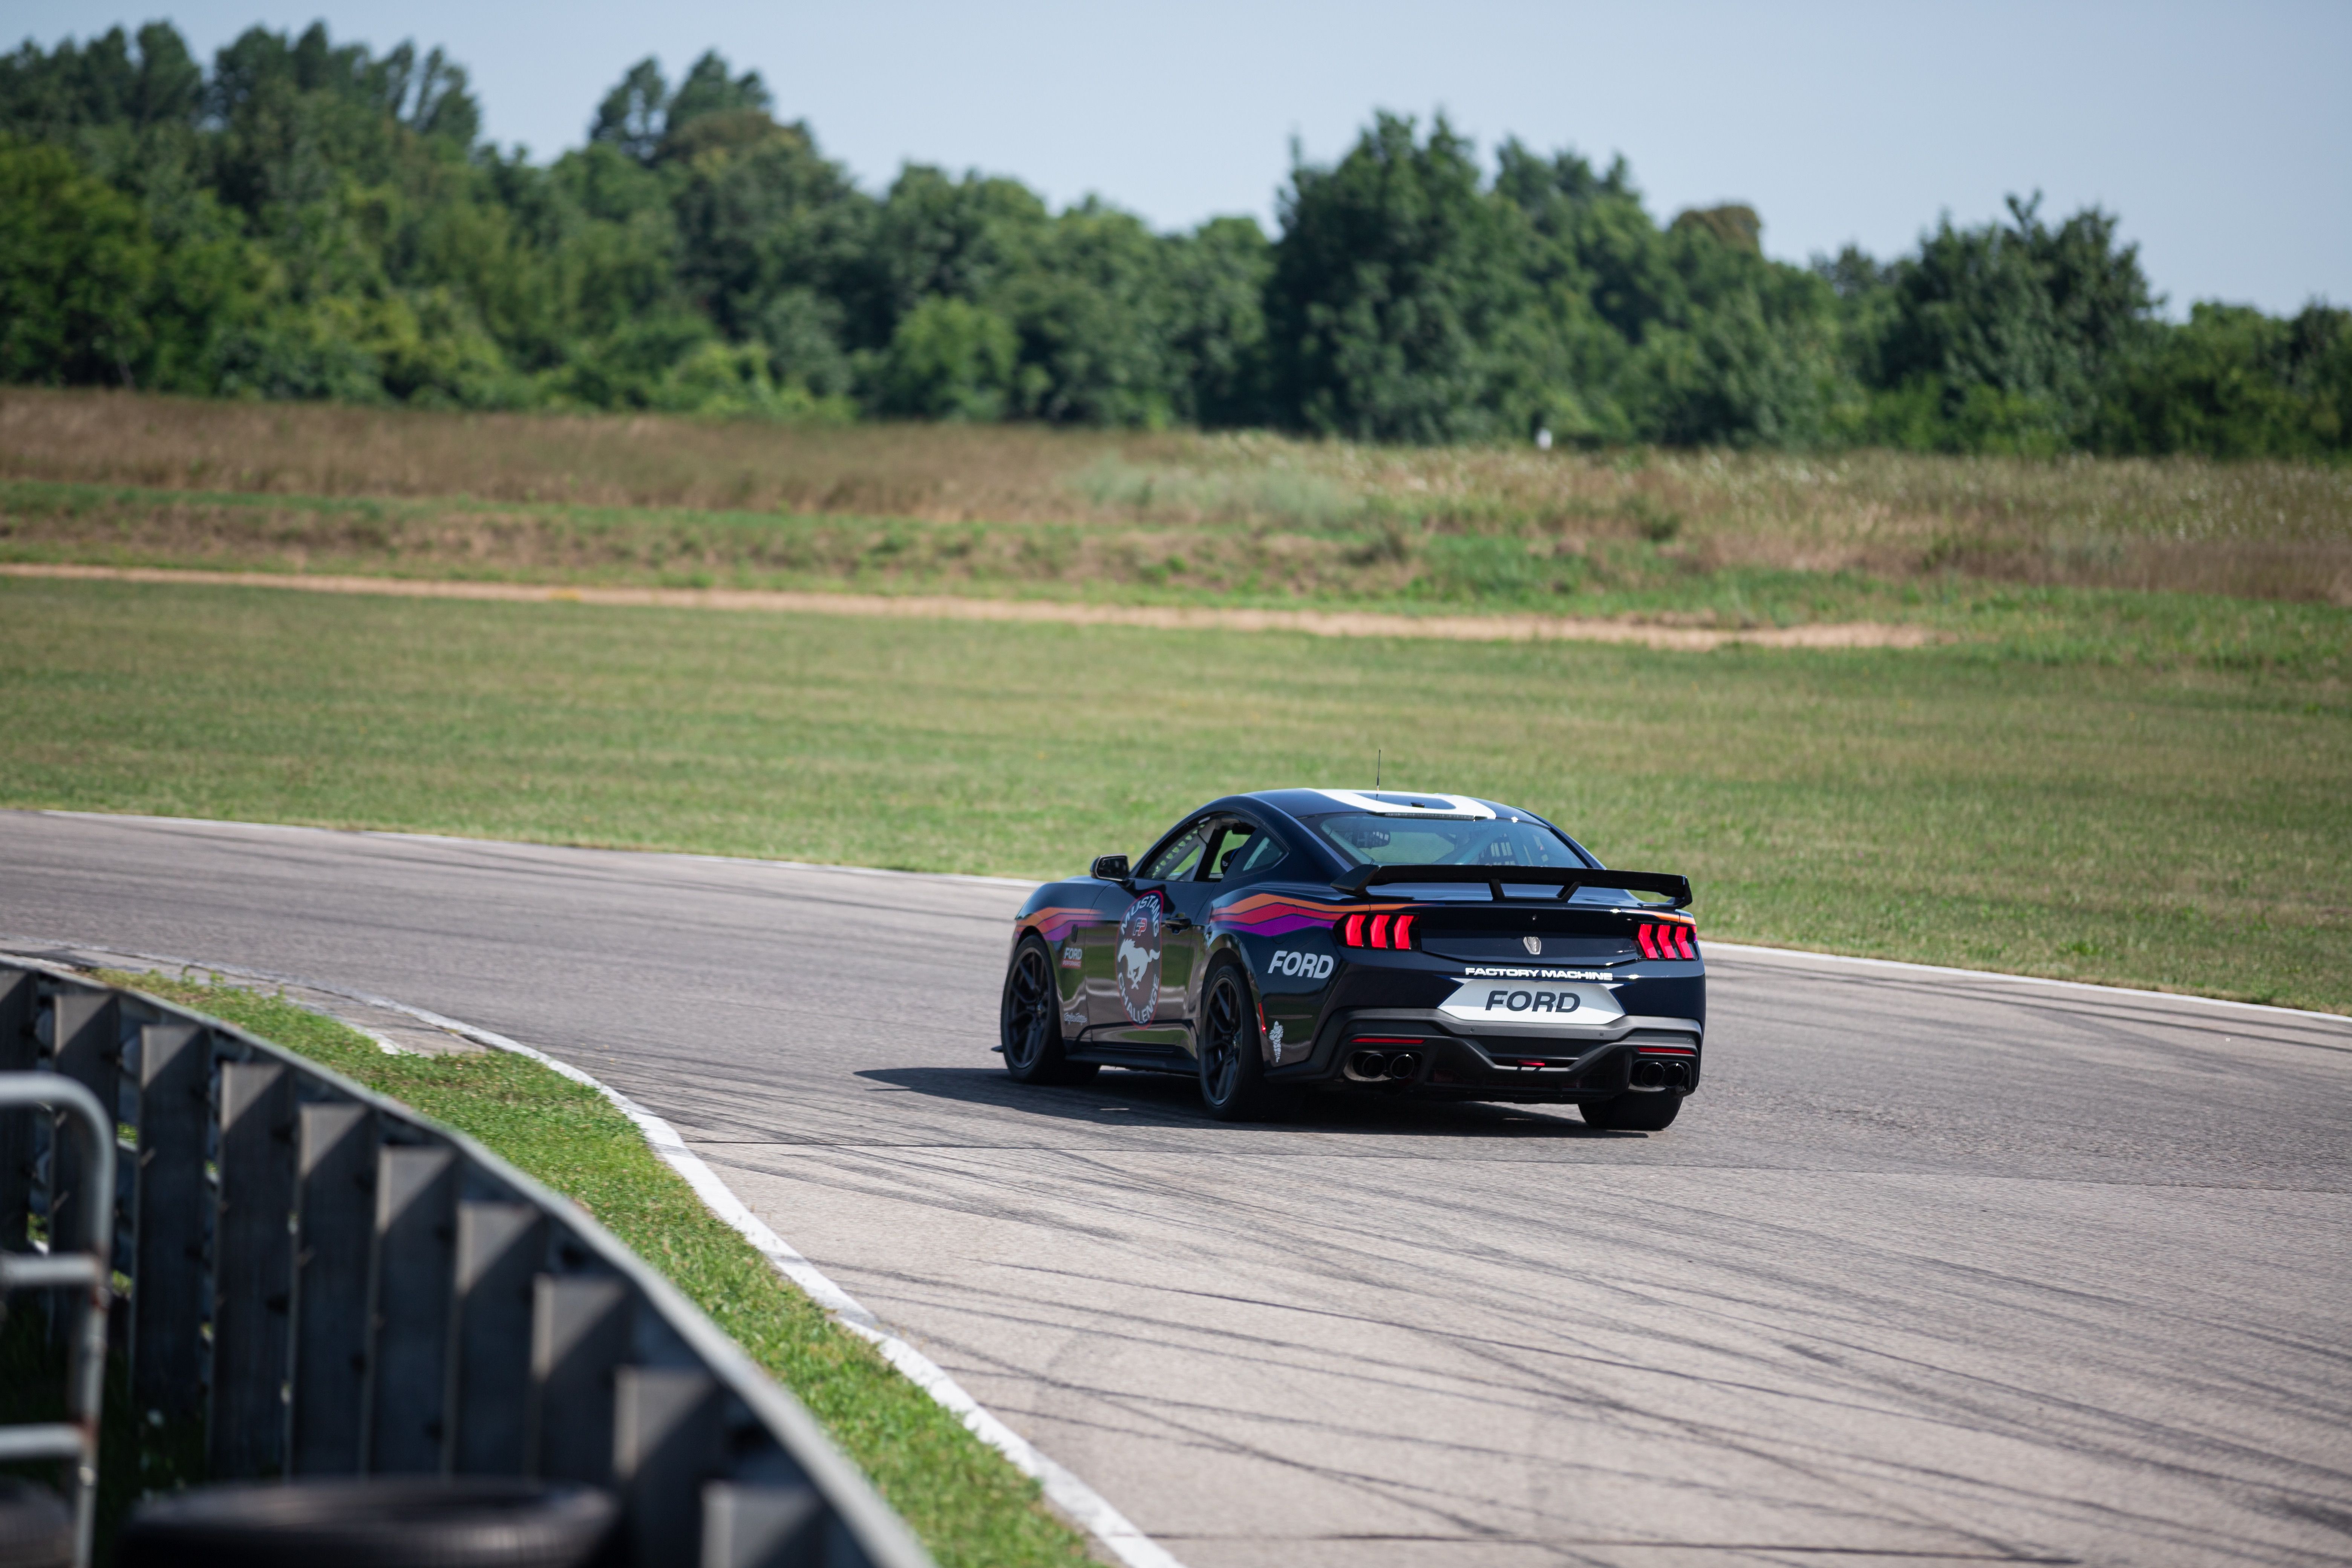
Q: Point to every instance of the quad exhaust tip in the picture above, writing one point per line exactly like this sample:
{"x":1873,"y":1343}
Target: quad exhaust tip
{"x":1650,"y":1073}
{"x":1380,"y":1067}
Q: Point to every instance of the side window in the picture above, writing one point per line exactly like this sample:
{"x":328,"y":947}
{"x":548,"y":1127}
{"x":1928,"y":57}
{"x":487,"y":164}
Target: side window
{"x":1265,"y":852}
{"x":1233,"y":843}
{"x":1178,"y":862}
{"x":1244,"y":851}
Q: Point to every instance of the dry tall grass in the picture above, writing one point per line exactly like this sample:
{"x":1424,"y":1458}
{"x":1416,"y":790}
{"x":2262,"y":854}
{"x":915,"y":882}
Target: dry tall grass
{"x":2258,"y":530}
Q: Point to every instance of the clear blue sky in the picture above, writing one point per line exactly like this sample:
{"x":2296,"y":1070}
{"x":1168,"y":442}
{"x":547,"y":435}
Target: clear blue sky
{"x":2222,"y":135}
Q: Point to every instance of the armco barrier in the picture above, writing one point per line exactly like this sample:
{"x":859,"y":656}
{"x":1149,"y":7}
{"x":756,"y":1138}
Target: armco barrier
{"x":334,"y":1287}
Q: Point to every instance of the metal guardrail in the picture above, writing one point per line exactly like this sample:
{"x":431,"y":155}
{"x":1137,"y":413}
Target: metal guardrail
{"x":335,"y":1287}
{"x":81,"y":1270}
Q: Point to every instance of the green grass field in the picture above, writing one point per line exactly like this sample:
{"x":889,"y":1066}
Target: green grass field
{"x":971,"y":1508}
{"x":2179,"y":822}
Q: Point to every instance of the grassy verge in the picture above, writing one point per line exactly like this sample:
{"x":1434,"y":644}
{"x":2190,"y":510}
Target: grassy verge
{"x":1229,"y":564}
{"x":968,"y":1505}
{"x":999,"y":506}
{"x":2177,"y":824}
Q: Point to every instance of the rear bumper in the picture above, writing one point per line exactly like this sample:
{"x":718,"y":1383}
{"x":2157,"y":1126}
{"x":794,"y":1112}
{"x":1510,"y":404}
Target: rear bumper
{"x":1639,"y":1055}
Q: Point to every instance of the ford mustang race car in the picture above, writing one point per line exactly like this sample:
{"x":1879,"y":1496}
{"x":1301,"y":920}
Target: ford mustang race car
{"x":1390,"y":942}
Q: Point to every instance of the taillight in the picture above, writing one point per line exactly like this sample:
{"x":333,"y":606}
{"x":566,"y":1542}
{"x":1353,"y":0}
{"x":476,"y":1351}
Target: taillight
{"x":1376,"y":930}
{"x":1665,"y":940}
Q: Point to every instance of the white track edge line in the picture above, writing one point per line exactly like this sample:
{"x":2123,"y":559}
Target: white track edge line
{"x":1081,"y":1502}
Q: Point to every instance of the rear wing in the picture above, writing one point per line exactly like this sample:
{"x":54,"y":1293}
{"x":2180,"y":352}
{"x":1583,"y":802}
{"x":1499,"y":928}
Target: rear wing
{"x":1362,"y":878}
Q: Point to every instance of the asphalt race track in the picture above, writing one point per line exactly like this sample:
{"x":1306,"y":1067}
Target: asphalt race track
{"x":1933,"y":1268}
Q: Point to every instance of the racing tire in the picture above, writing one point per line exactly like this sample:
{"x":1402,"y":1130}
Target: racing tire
{"x":1232,"y":1057}
{"x":36,"y":1530}
{"x":1030,"y":1022}
{"x":387,"y":1522}
{"x":1634,"y":1112}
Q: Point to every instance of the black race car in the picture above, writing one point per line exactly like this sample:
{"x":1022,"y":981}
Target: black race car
{"x":1382,"y":940}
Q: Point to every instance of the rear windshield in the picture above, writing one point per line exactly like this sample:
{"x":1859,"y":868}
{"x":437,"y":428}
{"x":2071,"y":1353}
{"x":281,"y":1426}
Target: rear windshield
{"x":1364,"y":839}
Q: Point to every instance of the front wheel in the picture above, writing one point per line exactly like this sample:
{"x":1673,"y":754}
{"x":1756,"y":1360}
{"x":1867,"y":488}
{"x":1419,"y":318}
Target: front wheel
{"x":1233,"y":1062}
{"x":1631,"y":1112}
{"x":1030,"y":1022}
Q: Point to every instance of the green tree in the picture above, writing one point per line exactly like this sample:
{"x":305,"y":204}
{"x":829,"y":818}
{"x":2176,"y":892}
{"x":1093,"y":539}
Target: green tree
{"x":56,"y":96}
{"x":1734,"y":225}
{"x":709,"y":90}
{"x":312,"y":218}
{"x":1091,"y":312}
{"x":1394,"y":277}
{"x":762,"y":216}
{"x":1215,"y":282}
{"x":2234,"y":382}
{"x":949,"y":359}
{"x":1746,"y":356}
{"x":76,"y":266}
{"x":2013,"y":331}
{"x":962,"y":240}
{"x":634,"y":115}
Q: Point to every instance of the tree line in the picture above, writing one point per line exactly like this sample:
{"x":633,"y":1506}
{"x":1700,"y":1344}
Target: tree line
{"x":308,"y":219}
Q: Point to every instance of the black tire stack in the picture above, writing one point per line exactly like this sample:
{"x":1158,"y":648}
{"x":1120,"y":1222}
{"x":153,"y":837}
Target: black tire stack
{"x":36,"y":1530}
{"x":398,"y":1522}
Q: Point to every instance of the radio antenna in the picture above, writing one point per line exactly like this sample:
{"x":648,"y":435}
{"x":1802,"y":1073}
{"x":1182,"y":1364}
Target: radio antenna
{"x":1376,"y":768}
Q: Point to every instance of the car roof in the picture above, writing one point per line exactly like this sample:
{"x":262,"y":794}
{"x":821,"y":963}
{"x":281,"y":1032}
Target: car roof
{"x":1305,"y":803}
{"x":1300,"y":804}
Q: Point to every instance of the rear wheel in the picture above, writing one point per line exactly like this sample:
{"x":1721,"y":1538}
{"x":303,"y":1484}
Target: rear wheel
{"x":1233,"y":1061}
{"x":1031,"y":1019}
{"x":1631,"y":1113}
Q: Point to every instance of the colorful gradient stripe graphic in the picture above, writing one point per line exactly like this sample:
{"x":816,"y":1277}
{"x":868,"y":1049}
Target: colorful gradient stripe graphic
{"x":1053,"y":924}
{"x":1272,"y":914}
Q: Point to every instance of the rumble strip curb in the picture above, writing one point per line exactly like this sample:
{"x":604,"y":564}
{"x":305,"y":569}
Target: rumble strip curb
{"x":1089,"y":1508}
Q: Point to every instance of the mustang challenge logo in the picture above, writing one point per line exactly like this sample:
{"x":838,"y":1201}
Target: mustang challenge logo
{"x":1138,"y":958}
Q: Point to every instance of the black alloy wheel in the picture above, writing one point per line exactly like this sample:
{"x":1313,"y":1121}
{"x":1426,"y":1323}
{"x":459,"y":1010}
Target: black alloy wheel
{"x":1631,"y":1113}
{"x":1233,"y":1062}
{"x":1031,"y":1020}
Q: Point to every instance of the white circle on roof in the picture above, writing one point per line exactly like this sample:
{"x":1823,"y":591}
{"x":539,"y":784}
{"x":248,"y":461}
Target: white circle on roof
{"x":1391,"y":803}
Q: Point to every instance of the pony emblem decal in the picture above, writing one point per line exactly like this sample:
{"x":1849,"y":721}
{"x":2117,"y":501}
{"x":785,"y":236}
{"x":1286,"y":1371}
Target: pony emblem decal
{"x":1138,"y":958}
